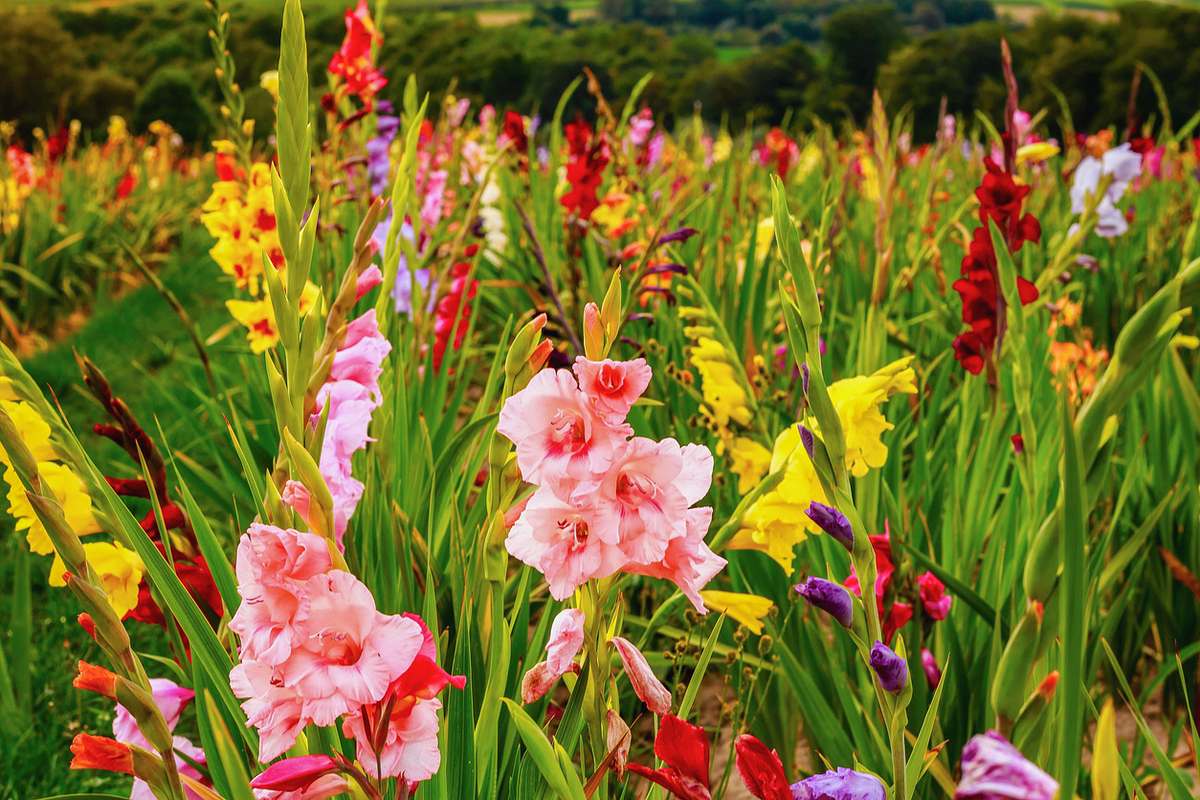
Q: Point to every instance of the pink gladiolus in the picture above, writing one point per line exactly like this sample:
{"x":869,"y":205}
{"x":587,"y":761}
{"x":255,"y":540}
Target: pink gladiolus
{"x":398,"y":736}
{"x":274,"y":710}
{"x":688,"y":563}
{"x":651,"y":484}
{"x":568,"y":542}
{"x":346,"y":653}
{"x":371,"y":277}
{"x":322,"y":788}
{"x":933,"y":596}
{"x":613,"y":386}
{"x":566,"y":638}
{"x":171,"y":700}
{"x":557,"y":433}
{"x":295,"y":773}
{"x":273,"y":566}
{"x":646,"y":684}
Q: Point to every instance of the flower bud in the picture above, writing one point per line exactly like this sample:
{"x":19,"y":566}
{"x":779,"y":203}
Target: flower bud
{"x":891,"y":669}
{"x":100,"y":752}
{"x":91,"y":678}
{"x":831,"y":598}
{"x":1016,"y":662}
{"x":646,"y":685}
{"x":593,"y":333}
{"x":833,"y":522}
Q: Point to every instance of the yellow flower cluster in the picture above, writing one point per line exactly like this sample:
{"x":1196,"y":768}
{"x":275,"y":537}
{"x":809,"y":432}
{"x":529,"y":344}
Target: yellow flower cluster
{"x":119,"y":570}
{"x":776,"y":522}
{"x":240,"y":215}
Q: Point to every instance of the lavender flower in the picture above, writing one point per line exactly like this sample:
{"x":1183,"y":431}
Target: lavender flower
{"x":378,"y":159}
{"x":992,"y":769}
{"x":1123,"y":164}
{"x":806,"y":439}
{"x":891,"y":668}
{"x":830,"y":598}
{"x":681,"y":235}
{"x":839,"y":784}
{"x":833,"y":522}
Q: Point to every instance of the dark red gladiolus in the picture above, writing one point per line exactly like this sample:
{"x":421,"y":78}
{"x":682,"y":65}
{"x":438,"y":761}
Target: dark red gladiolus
{"x":514,"y":131}
{"x":588,"y":155}
{"x":761,"y":769}
{"x":683,"y":749}
{"x":1000,"y":201}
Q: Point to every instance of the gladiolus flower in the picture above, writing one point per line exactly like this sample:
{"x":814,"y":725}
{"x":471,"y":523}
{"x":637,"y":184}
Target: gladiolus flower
{"x":91,"y":678}
{"x":566,"y":639}
{"x":761,"y":769}
{"x":296,"y":773}
{"x":890,"y":668}
{"x":683,"y":749}
{"x":933,"y":596}
{"x":100,"y":752}
{"x":830,"y":598}
{"x":746,"y":609}
{"x":933,"y":673}
{"x":992,"y":769}
{"x":612,"y":386}
{"x":618,"y":741}
{"x":646,"y":685}
{"x":60,"y":482}
{"x":839,"y":784}
{"x":119,"y":570}
{"x":1123,"y":164}
{"x":832,"y":521}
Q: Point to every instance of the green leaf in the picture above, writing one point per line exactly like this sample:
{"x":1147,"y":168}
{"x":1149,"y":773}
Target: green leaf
{"x":540,"y":750}
{"x":1074,"y":607}
{"x":291,"y":127}
{"x":916,"y":765}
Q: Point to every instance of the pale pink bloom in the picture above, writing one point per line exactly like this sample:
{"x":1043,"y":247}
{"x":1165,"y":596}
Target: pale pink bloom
{"x":613,"y":386}
{"x":568,"y":542}
{"x":688,"y":563}
{"x":646,"y":685}
{"x":566,"y":638}
{"x":272,"y":567}
{"x":345,"y":653}
{"x":346,"y":428}
{"x":346,"y":491}
{"x":434,"y":198}
{"x":410,"y":743}
{"x":558,"y":435}
{"x":640,"y":126}
{"x":371,"y":277}
{"x":652,"y":484}
{"x":274,"y":710}
{"x":360,"y":358}
{"x":458,"y":112}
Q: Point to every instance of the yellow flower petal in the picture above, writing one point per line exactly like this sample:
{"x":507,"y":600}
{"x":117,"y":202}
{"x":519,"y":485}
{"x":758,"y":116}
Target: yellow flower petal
{"x":118,"y":569}
{"x":66,"y":487}
{"x":747,"y":609}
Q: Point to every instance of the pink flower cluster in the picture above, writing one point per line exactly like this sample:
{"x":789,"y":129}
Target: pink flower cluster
{"x":352,"y":395}
{"x":605,"y":502}
{"x":314,"y":649}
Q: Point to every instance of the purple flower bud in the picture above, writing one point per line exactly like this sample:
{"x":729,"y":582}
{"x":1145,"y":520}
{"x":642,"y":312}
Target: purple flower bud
{"x":681,"y":235}
{"x":830,"y":598}
{"x":806,"y":439}
{"x":833,"y":522}
{"x":891,"y":668}
{"x":821,"y":345}
{"x":839,"y":784}
{"x":804,"y":376}
{"x":992,"y":769}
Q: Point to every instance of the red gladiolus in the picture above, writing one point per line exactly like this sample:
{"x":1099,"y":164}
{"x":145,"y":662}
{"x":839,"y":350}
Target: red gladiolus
{"x":1000,"y":200}
{"x":127,"y":184}
{"x":99,"y":752}
{"x":353,"y":60}
{"x":761,"y":769}
{"x":588,"y":156}
{"x":683,"y":749}
{"x":295,"y":774}
{"x":778,"y":150}
{"x":933,"y":596}
{"x":514,"y":132}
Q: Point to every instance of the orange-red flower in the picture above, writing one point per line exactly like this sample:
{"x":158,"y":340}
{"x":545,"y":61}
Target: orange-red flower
{"x":100,"y":752}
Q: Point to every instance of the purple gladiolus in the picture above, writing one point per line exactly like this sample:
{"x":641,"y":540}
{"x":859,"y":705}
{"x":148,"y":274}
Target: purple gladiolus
{"x":891,"y":668}
{"x":804,"y":377}
{"x":378,"y":161}
{"x":681,"y":235}
{"x":992,"y":769}
{"x":833,"y":522}
{"x":830,"y":598}
{"x":933,"y":673}
{"x":839,"y":784}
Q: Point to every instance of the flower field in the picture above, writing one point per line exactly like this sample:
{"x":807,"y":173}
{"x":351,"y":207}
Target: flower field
{"x":429,"y":449}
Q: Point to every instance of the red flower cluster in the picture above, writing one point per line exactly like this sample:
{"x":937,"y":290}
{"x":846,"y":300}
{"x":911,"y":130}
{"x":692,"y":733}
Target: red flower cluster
{"x":353,"y":62}
{"x":589,"y":155}
{"x":1000,"y":199}
{"x":683,"y":749}
{"x":778,"y":150}
{"x":899,"y":613}
{"x":453,"y":312}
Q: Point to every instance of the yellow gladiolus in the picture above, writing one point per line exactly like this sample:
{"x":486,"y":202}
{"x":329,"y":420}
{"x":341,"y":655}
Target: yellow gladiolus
{"x":748,"y":609}
{"x":1036,"y":153}
{"x":857,"y":401}
{"x":67,"y":488}
{"x":259,"y":317}
{"x":750,"y":461}
{"x":118,"y":569}
{"x":34,"y":430}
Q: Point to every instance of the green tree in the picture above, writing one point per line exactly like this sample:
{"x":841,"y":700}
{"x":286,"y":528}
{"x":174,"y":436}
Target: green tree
{"x":171,"y":96}
{"x":860,"y":38}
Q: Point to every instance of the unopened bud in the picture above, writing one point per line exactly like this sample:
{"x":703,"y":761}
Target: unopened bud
{"x":593,"y":333}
